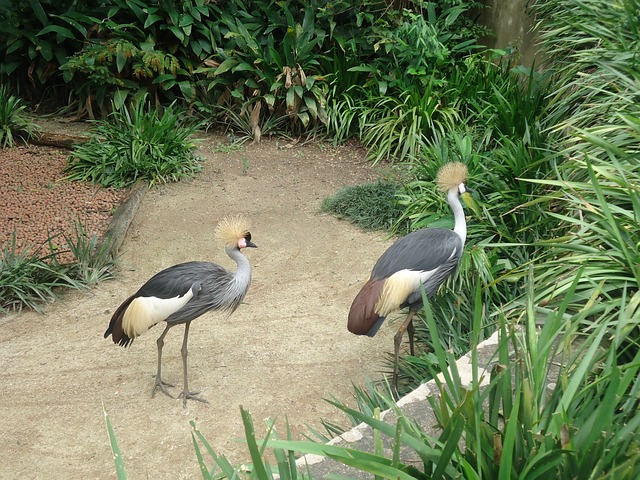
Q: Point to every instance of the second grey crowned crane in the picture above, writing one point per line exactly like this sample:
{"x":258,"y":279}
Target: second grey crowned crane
{"x":181,"y":293}
{"x":422,"y":259}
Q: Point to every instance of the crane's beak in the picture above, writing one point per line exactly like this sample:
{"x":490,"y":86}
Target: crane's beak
{"x":470,"y":202}
{"x":251,"y":244}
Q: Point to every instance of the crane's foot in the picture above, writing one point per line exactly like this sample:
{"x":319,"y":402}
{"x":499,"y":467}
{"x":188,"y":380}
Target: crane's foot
{"x":191,"y":396}
{"x":161,"y":385}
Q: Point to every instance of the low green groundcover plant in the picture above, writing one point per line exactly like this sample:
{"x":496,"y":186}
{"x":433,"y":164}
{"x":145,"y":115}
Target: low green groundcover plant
{"x":371,"y":206}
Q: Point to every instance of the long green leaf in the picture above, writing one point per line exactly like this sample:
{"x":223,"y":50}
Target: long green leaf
{"x":256,"y":458}
{"x":121,"y":471}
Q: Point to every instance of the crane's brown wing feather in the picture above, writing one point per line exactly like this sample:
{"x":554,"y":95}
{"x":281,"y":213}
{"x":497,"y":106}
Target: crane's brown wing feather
{"x":362,"y":315}
{"x":115,"y":325}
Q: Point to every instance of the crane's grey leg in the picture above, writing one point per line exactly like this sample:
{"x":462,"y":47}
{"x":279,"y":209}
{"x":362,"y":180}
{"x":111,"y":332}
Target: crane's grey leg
{"x":411,"y":330}
{"x":407,"y":325}
{"x":159,"y":383}
{"x":186,"y":394}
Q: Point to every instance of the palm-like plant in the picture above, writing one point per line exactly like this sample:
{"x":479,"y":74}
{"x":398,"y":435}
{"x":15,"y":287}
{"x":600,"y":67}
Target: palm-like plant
{"x":269,"y":69}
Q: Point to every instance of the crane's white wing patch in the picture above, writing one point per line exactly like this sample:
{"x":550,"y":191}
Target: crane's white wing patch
{"x":144,"y":312}
{"x":398,"y":287}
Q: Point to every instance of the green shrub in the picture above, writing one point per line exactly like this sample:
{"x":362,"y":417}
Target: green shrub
{"x":93,"y":52}
{"x":142,"y":143}
{"x":142,"y":47}
{"x":37,"y":38}
{"x":406,"y":98}
{"x":120,"y":70}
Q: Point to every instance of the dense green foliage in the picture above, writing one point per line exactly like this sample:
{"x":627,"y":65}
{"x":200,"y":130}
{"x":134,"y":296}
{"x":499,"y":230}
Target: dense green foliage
{"x":262,"y":66}
{"x":407,"y":97}
{"x":553,"y":261}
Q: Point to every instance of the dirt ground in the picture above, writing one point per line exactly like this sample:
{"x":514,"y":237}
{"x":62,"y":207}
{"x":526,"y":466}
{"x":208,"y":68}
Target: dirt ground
{"x":278,"y":355}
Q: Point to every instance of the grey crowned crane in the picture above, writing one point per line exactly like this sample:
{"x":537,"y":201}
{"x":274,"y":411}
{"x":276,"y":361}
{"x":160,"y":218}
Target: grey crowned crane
{"x":422,"y":259}
{"x":183,"y":292}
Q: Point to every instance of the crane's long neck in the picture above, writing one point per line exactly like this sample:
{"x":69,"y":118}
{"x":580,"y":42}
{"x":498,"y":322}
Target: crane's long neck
{"x":242,"y":275}
{"x":458,"y":213}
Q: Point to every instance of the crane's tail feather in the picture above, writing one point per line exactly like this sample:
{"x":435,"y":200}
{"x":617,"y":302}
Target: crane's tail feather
{"x":363,"y":318}
{"x":115,"y":328}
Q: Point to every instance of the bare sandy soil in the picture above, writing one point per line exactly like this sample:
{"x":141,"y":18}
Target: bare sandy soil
{"x":278,"y":355}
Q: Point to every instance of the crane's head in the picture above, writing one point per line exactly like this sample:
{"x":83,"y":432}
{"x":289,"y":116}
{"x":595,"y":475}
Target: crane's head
{"x":234,"y":232}
{"x":452,"y":175}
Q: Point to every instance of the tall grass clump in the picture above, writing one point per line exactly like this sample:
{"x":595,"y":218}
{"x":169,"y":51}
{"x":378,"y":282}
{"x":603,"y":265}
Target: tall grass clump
{"x":29,"y":278}
{"x":593,"y":48}
{"x":594,"y":195}
{"x":14,"y":124}
{"x":94,"y":260}
{"x":32,"y":277}
{"x":139,"y":144}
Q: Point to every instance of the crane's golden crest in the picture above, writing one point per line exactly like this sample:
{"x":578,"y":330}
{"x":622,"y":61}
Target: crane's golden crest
{"x":232,"y":229}
{"x":451,"y":175}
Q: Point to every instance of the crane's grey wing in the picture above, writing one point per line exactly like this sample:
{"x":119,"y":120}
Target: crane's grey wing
{"x":423,"y":250}
{"x":177,"y":294}
{"x":178,"y":279}
{"x":215,"y":285}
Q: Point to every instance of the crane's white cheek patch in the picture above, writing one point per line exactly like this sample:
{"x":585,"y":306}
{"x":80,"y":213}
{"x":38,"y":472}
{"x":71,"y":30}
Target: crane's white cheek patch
{"x":398,"y":287}
{"x":144,"y":312}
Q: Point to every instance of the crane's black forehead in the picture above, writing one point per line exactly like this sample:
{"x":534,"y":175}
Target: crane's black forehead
{"x":248,"y":236}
